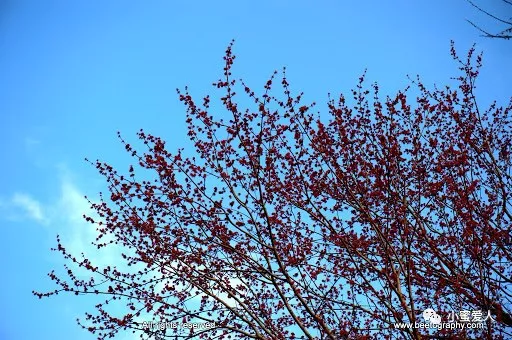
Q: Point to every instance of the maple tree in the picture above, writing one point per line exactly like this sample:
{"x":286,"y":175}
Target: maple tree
{"x":289,"y":225}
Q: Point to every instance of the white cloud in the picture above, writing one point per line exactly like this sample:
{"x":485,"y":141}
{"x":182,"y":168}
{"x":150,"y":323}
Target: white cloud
{"x":64,"y":216}
{"x":31,"y":207}
{"x":78,"y":234}
{"x":61,"y":212}
{"x":71,"y":207}
{"x":31,"y":142}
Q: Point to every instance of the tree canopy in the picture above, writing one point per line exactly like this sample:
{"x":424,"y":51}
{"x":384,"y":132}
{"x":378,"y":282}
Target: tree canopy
{"x":288,"y":224}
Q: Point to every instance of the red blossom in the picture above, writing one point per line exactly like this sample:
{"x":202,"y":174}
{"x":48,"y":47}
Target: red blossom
{"x":288,"y":226}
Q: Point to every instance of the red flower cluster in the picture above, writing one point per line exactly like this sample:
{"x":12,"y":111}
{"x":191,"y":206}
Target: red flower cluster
{"x":288,"y":226}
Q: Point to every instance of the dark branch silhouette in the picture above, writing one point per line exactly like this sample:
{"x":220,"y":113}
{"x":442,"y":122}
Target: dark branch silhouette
{"x":505,"y":34}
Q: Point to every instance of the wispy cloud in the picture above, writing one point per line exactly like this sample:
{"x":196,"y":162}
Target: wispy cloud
{"x":31,"y":142}
{"x":30,"y":207}
{"x":64,"y":216}
{"x":76,"y":233}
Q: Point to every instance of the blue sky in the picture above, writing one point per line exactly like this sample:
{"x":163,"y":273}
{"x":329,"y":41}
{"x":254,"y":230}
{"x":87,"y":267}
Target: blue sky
{"x":72,"y":73}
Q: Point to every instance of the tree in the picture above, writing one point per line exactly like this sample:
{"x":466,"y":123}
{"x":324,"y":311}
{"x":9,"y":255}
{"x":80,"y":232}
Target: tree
{"x":504,"y":34}
{"x":289,"y":225}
